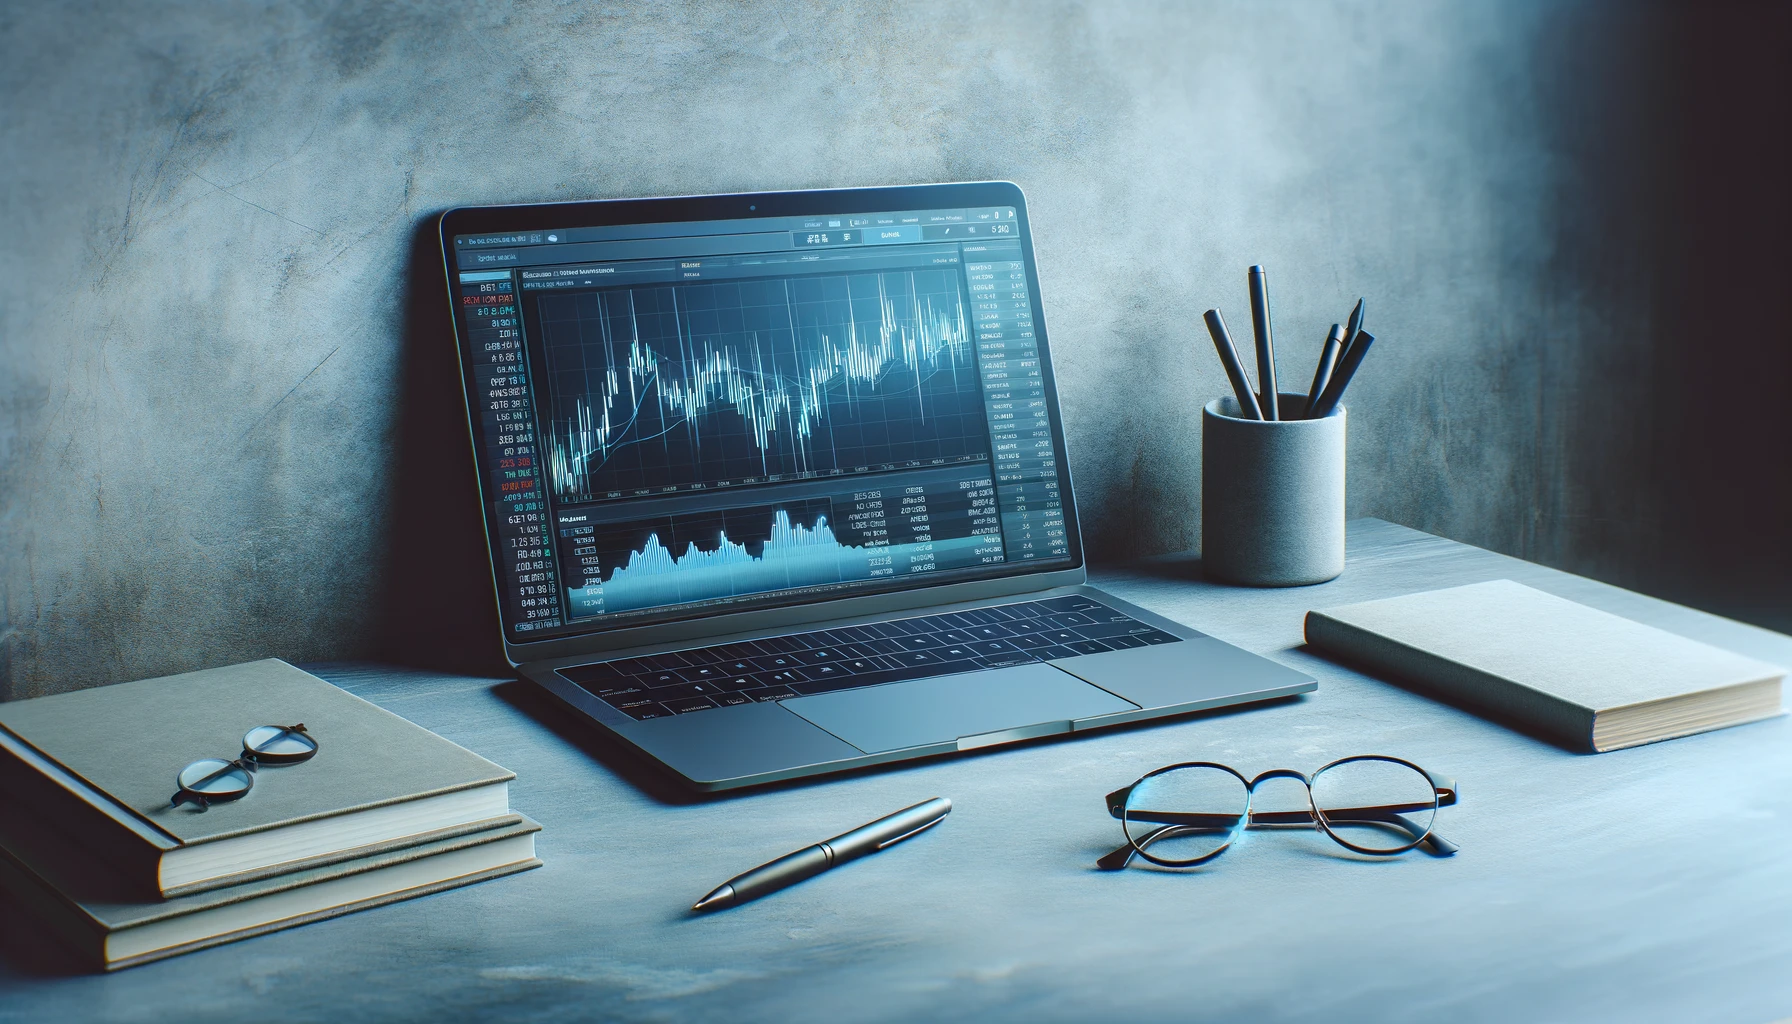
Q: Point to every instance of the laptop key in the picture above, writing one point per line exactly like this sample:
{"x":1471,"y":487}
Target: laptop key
{"x":1123,"y":641}
{"x":684,"y":705}
{"x":990,"y":632}
{"x":1054,"y":653}
{"x":992,"y":648}
{"x":657,"y":679}
{"x":1159,"y":637}
{"x":732,"y":699}
{"x":769,"y":693}
{"x":778,"y":645}
{"x":1032,"y":641}
{"x":819,"y":656}
{"x":907,"y":658}
{"x":1005,"y":660}
{"x":632,"y":666}
{"x":940,"y":668}
{"x":599,"y":675}
{"x":666,"y":693}
{"x":642,"y":712}
{"x":626,"y":688}
{"x":782,"y":678}
{"x":703,"y":656}
{"x":1103,"y":630}
{"x":1069,"y":604}
{"x":738,"y":682}
{"x":1088,"y":646}
{"x":775,"y":662}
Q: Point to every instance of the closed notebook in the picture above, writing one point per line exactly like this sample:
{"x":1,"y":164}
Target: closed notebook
{"x":1585,"y":678}
{"x":110,"y":927}
{"x":100,"y":764}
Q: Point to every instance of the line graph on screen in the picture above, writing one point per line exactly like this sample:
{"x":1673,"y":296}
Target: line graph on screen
{"x":670,"y":386}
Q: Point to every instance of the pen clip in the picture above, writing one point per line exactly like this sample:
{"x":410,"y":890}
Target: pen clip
{"x":910,"y":832}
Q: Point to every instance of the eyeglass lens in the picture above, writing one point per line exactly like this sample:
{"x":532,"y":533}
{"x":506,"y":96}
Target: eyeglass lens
{"x":279,"y":743}
{"x":215,"y":778}
{"x":1375,"y":805}
{"x":1185,"y":815}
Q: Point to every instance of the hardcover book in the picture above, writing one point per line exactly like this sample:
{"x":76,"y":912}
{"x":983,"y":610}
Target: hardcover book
{"x":110,"y":926}
{"x":1582,"y":677}
{"x":100,"y":765}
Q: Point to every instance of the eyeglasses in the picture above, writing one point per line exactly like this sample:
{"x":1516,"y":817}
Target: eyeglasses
{"x":1187,"y":814}
{"x":215,"y":780}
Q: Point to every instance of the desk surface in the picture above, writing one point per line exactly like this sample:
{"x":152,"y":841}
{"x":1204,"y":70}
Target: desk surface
{"x":1651,"y":883}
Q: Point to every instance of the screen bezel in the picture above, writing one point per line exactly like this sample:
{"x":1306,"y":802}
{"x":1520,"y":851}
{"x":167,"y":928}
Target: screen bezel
{"x":774,"y":611}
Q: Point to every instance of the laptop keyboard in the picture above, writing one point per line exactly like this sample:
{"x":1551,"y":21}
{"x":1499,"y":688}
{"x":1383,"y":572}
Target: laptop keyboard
{"x":780,"y":667}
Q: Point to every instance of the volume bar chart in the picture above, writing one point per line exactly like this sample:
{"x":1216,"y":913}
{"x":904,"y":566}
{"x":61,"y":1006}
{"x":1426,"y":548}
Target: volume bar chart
{"x":901,"y":527}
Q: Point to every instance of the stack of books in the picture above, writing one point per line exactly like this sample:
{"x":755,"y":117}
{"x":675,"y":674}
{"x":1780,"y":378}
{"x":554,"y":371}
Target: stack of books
{"x":95,"y":850}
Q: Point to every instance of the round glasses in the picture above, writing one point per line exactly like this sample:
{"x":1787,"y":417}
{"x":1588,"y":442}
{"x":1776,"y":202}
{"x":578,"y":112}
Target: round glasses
{"x":214,"y":780}
{"x":1187,"y":814}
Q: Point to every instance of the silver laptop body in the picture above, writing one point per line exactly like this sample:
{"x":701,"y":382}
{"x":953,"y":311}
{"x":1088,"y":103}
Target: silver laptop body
{"x":775,"y":484}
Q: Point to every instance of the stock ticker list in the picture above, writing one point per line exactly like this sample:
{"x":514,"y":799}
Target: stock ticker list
{"x":1022,"y":456}
{"x":519,"y":511}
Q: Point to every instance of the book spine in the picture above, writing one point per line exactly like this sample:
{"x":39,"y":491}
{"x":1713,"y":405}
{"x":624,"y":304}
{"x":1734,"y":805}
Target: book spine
{"x":42,"y":904}
{"x":1540,"y":713}
{"x":77,"y":820}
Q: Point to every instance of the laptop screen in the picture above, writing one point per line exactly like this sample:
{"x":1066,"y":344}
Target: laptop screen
{"x":679,"y":418}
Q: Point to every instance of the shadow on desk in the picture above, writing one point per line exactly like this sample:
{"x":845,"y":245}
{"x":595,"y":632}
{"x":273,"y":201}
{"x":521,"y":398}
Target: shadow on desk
{"x":659,"y":783}
{"x":27,"y":952}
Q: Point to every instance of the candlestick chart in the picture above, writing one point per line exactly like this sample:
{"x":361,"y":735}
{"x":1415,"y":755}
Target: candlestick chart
{"x":675,"y":386}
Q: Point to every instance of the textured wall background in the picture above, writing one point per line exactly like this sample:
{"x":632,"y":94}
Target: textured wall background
{"x":229,"y":422}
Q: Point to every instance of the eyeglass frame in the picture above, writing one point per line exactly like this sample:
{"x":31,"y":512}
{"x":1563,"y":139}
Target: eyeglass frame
{"x":1444,"y":790}
{"x":248,"y":762}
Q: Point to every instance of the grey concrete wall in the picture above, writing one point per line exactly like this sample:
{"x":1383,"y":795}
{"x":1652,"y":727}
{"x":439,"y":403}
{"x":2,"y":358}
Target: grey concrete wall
{"x":227,"y":407}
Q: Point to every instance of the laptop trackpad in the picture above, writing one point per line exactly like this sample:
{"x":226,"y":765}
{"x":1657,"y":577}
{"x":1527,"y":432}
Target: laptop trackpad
{"x":979,"y":707}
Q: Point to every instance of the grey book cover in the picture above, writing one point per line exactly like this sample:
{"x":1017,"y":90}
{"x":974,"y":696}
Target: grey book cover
{"x":1583,"y":677}
{"x":102,"y":920}
{"x":101,"y":763}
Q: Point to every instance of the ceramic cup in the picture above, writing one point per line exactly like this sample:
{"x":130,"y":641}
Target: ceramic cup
{"x":1272,"y":495}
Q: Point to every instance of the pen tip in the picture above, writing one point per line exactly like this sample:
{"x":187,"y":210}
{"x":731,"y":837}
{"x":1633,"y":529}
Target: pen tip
{"x":1257,"y":268}
{"x":723,"y":897}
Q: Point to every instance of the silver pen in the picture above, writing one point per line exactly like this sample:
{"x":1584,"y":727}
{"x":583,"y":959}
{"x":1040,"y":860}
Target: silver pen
{"x":811,"y":861}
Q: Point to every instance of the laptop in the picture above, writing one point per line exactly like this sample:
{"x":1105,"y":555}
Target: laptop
{"x":775,"y":484}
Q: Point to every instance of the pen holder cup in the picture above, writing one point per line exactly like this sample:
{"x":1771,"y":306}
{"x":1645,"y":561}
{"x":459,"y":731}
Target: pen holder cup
{"x":1272,"y":495}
